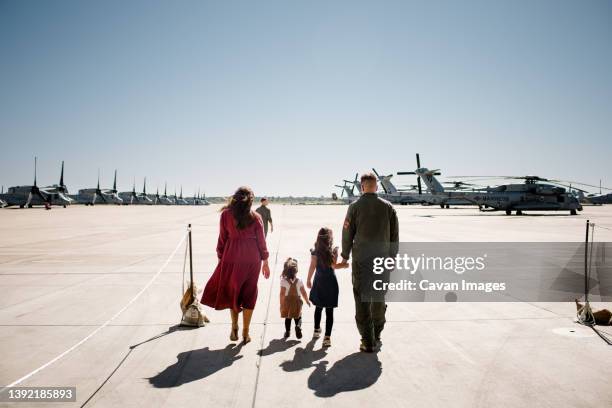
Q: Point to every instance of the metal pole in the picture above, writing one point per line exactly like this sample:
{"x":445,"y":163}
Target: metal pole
{"x":586,"y":261}
{"x":191,"y":263}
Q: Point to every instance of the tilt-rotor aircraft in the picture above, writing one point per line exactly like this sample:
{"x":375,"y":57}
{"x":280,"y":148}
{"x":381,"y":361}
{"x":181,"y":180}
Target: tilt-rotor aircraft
{"x":164,"y":199}
{"x":348,"y":191}
{"x":29,"y":196}
{"x":180,"y":200}
{"x":197,"y":199}
{"x":132,"y":197}
{"x":92,"y":196}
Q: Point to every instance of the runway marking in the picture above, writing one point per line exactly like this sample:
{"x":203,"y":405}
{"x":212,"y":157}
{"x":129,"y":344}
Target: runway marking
{"x":93,"y":333}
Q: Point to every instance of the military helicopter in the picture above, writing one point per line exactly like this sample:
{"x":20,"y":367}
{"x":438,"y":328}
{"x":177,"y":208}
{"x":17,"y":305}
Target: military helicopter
{"x":534,"y":194}
{"x":91,"y":196}
{"x":393,"y":194}
{"x":436,"y":193}
{"x":29,"y":196}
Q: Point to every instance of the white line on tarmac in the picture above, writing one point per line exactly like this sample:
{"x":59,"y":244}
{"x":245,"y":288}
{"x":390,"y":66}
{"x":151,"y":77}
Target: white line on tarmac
{"x":90,"y":335}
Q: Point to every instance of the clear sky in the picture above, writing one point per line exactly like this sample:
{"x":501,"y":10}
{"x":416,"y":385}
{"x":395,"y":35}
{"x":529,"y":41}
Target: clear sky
{"x":290,"y":97}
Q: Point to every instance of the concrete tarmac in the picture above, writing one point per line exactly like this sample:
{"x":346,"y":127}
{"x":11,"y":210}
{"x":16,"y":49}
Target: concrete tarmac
{"x":66,"y":272}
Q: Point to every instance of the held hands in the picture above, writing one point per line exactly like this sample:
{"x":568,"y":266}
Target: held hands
{"x":265,"y":269}
{"x":344,"y":264}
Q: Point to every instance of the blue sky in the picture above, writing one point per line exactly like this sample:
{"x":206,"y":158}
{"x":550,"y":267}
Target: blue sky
{"x":291,"y":97}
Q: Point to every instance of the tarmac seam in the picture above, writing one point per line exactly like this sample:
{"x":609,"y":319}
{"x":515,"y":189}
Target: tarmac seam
{"x":265,"y":322}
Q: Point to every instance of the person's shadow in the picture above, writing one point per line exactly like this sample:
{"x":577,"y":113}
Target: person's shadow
{"x":277,"y":346}
{"x":354,"y":372}
{"x":195,"y":365}
{"x":304,"y":357}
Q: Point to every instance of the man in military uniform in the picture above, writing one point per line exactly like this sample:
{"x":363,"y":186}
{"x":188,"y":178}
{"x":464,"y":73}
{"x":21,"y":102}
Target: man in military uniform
{"x":266,"y":215}
{"x":370,"y":230}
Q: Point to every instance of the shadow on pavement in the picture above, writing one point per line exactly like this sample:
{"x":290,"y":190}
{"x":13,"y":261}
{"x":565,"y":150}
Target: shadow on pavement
{"x":354,"y":372}
{"x":195,"y":365}
{"x":304,"y":357}
{"x":277,"y":346}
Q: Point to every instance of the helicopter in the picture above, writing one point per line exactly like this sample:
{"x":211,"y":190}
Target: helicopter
{"x":91,"y":196}
{"x":534,"y":194}
{"x":29,"y":196}
{"x":393,"y":194}
{"x":436,"y":193}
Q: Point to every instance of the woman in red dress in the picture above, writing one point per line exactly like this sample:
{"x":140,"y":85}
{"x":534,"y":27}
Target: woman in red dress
{"x":241,"y":248}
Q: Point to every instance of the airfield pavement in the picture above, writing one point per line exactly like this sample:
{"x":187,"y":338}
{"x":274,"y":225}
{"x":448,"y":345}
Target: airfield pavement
{"x":66,"y":272}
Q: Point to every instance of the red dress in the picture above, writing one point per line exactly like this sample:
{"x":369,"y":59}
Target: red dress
{"x":233,"y":284}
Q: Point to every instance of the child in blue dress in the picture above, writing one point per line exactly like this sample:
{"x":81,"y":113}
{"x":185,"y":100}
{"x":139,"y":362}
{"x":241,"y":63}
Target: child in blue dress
{"x":324,"y":290}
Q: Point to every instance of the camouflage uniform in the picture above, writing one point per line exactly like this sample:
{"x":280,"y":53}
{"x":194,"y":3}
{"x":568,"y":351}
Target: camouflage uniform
{"x":266,"y":217}
{"x":370,"y":230}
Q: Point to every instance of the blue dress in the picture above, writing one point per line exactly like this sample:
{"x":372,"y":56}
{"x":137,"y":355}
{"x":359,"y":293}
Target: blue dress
{"x":324,"y":292}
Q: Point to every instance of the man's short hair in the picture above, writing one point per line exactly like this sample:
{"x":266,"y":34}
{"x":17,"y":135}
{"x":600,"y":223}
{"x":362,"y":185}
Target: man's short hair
{"x":263,"y":199}
{"x":368,"y":178}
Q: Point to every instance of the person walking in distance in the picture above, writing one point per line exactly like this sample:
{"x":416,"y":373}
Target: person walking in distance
{"x":370,"y":230}
{"x":266,"y":215}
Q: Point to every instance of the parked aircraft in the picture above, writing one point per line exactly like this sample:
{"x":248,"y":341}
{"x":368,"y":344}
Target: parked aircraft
{"x":29,"y":196}
{"x":163,"y":200}
{"x":180,"y":200}
{"x":92,"y":196}
{"x":534,"y":194}
{"x":132,"y":197}
{"x":436,"y":194}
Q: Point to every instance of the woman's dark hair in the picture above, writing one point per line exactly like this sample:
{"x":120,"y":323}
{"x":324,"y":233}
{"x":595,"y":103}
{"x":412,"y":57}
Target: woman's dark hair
{"x":323,"y":247}
{"x":240,"y":206}
{"x":290,"y":268}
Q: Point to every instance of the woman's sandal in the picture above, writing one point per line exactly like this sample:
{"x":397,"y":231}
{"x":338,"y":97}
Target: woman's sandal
{"x":326,"y":341}
{"x":245,"y":337}
{"x":234,"y":333}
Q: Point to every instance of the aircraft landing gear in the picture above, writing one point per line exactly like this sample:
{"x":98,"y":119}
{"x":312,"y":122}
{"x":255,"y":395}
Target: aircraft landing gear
{"x":519,"y":212}
{"x":447,"y":205}
{"x":508,"y":212}
{"x":22,"y":206}
{"x":441,"y":205}
{"x":573,"y":212}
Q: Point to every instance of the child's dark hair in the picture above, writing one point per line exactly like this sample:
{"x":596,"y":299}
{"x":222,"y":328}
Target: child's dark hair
{"x":323,"y":247}
{"x":290,"y":268}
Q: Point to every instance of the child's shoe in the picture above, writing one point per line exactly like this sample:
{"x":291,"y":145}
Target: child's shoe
{"x":298,"y":332}
{"x":327,"y":341}
{"x":316,"y":334}
{"x":286,"y":335}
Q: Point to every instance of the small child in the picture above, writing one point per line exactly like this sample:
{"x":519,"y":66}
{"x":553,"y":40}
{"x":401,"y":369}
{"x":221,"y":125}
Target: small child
{"x":324,"y":291}
{"x":290,"y":302}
